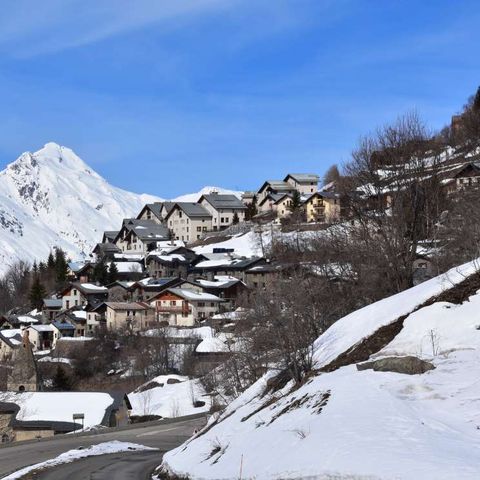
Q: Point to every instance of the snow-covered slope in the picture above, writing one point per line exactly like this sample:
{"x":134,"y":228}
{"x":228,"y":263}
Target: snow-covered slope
{"x":351,"y":424}
{"x":51,"y":197}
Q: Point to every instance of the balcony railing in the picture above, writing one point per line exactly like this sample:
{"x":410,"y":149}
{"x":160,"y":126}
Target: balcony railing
{"x":168,"y":309}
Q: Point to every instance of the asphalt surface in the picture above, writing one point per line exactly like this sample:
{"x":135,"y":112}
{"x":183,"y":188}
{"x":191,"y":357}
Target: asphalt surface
{"x":121,"y":466}
{"x":126,"y":466}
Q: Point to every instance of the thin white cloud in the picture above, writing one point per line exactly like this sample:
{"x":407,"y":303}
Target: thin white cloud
{"x":30,"y":27}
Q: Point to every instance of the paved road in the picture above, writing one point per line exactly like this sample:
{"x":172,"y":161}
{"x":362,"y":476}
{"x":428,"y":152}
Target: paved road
{"x":163,"y":436}
{"x":119,"y":466}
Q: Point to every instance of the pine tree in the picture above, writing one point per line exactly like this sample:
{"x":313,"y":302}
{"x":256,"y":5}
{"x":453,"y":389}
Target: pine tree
{"x":51,"y":261}
{"x":235,"y":219}
{"x":37,"y":293}
{"x":296,"y":202}
{"x":251,"y":209}
{"x":100,"y":273}
{"x":61,"y":267}
{"x":112,"y":273}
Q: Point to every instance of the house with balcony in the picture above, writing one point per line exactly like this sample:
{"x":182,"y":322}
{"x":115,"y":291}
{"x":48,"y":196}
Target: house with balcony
{"x":43,"y":337}
{"x":323,"y":207}
{"x":185,"y":307}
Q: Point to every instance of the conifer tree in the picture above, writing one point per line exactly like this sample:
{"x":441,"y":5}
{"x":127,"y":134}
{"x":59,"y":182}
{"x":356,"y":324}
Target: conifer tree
{"x":61,"y":267}
{"x":112,"y":273}
{"x":235,"y":219}
{"x":37,"y":293}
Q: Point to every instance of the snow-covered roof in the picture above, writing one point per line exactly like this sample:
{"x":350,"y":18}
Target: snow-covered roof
{"x":194,"y":296}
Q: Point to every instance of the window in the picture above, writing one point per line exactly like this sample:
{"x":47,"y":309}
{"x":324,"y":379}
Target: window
{"x":199,"y":229}
{"x":201,"y":304}
{"x":204,"y":229}
{"x":212,"y":304}
{"x":173,"y":303}
{"x":74,"y":292}
{"x":179,"y":214}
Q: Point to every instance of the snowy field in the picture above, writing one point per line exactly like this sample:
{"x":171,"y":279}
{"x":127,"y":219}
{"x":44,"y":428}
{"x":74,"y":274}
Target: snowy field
{"x":351,"y":424}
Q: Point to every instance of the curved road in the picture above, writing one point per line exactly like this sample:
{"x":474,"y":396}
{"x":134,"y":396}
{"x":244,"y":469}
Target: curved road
{"x":129,"y":465}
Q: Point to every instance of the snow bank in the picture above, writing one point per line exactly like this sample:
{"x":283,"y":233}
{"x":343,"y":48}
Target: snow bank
{"x":72,"y":455}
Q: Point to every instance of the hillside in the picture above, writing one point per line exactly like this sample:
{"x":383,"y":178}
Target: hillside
{"x":52,"y":197}
{"x":346,"y":423}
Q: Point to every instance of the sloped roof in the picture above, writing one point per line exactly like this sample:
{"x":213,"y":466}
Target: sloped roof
{"x":127,"y":305}
{"x":194,"y":296}
{"x":191,"y":209}
{"x":218,"y":201}
{"x":303,"y":177}
{"x":52,"y":302}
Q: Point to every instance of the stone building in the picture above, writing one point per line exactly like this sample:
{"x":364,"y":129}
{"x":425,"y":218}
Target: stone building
{"x":22,"y":376}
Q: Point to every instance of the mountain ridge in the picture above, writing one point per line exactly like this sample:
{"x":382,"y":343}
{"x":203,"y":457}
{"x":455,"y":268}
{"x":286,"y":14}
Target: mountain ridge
{"x":51,"y":197}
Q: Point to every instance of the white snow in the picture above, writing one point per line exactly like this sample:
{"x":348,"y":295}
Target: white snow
{"x":194,"y":197}
{"x":245,"y":245}
{"x":45,"y":198}
{"x":60,"y":406}
{"x":105,"y":448}
{"x":170,"y":400}
{"x":351,"y":424}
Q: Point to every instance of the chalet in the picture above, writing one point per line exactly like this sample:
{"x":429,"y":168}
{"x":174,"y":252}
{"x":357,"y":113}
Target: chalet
{"x":223,"y":209}
{"x":80,"y":272}
{"x":276,"y":187}
{"x":260,"y":276}
{"x":228,"y":288}
{"x":133,"y":316}
{"x":188,"y":221}
{"x":109,"y":236}
{"x":185,"y":307}
{"x":304,"y":183}
{"x":82,"y":294}
{"x":144,"y":290}
{"x":76,"y":318}
{"x":50,"y":308}
{"x":323,"y":207}
{"x":279,"y":203}
{"x":151,"y":211}
{"x":169,"y":265}
{"x":465,"y":177}
{"x":43,"y":337}
{"x":140,"y":236}
{"x":105,"y":251}
{"x":224,"y":265}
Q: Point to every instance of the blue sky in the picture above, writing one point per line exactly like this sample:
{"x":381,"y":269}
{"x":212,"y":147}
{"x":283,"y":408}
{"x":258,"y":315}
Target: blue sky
{"x":225,"y":92}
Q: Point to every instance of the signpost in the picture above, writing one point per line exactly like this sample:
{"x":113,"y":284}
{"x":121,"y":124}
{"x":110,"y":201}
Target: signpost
{"x":78,"y":416}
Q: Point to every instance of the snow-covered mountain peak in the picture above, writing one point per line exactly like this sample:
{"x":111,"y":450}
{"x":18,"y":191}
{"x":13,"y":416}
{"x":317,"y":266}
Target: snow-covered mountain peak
{"x":52,"y":197}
